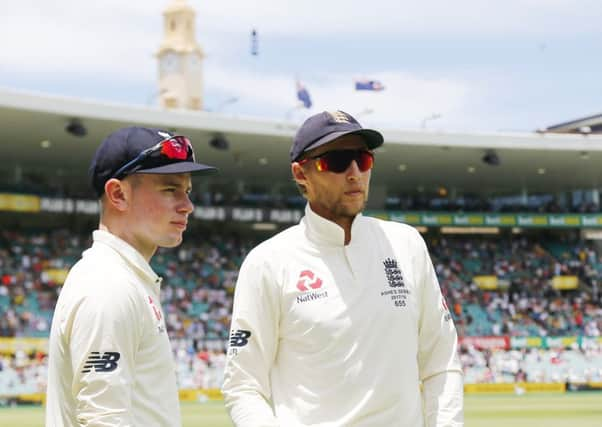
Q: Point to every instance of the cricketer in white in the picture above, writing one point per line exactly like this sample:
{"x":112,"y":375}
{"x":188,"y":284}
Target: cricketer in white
{"x":110,"y":361}
{"x":330,"y":334}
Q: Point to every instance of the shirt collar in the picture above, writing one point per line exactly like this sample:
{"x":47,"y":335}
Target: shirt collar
{"x":322,"y":230}
{"x":128,"y":253}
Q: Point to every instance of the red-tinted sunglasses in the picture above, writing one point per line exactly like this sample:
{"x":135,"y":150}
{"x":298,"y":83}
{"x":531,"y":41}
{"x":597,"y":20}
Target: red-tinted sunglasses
{"x":174,"y":148}
{"x":338,"y":161}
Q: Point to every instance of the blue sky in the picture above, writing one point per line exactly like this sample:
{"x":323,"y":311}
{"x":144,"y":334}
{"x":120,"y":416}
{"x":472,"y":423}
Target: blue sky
{"x":476,"y":65}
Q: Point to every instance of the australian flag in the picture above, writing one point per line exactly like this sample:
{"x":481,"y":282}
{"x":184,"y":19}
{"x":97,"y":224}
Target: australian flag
{"x":373,"y":85}
{"x":303,"y":95}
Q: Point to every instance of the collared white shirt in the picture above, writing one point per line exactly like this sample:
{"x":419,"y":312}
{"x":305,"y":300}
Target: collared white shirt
{"x":330,"y":334}
{"x":110,"y":360}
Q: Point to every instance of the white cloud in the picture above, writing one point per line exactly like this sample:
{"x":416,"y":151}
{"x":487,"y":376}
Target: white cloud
{"x":69,"y":36}
{"x":406,"y":100}
{"x":120,"y":37}
{"x":271,"y":91}
{"x":116,"y":39}
{"x":395,"y":17}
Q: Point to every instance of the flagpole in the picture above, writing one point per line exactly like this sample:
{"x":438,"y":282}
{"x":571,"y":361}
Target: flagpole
{"x":290,"y":112}
{"x":433,"y":116}
{"x":365,"y":112}
{"x":222,"y":104}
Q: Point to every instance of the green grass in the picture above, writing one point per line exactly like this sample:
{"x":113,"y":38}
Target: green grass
{"x":533,"y":410}
{"x":211,"y":414}
{"x":530,"y":410}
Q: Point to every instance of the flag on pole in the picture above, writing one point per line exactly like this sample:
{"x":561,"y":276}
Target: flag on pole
{"x":254,"y":43}
{"x":373,"y":85}
{"x":303,"y":95}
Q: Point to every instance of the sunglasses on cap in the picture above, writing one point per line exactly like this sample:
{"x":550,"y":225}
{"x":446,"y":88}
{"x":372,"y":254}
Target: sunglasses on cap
{"x":173,"y":148}
{"x":338,"y":161}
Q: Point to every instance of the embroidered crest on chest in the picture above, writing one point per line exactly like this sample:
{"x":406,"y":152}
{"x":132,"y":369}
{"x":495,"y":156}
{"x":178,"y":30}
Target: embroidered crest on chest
{"x":393,"y":273}
{"x":398,"y":292}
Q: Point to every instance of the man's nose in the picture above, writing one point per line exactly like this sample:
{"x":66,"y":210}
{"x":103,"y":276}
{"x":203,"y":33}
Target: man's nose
{"x":186,"y":205}
{"x":353,"y":171}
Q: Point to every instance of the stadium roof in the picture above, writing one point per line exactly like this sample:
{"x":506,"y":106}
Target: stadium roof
{"x":585,"y":125}
{"x":409,"y":162}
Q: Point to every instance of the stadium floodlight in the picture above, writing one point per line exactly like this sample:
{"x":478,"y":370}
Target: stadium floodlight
{"x":219,"y":142}
{"x":491,"y":158}
{"x":76,"y":128}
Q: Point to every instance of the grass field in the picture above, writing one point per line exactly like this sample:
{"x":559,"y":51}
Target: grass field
{"x":530,"y":410}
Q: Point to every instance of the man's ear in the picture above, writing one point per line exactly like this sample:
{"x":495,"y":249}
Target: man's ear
{"x":117,"y":193}
{"x":298,"y":173}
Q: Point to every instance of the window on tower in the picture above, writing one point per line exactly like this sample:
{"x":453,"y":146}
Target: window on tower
{"x":171,"y":102}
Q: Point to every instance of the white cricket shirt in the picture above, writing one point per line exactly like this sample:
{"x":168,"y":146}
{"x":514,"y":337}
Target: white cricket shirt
{"x":330,"y":334}
{"x":110,"y":361}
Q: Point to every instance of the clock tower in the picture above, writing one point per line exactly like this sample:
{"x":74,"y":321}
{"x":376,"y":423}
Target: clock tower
{"x":180,"y":59}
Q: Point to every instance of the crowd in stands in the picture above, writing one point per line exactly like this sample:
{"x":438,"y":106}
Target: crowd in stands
{"x":530,"y":305}
{"x":546,"y":203}
{"x":438,"y":201}
{"x":200,"y":276}
{"x":22,"y":373}
{"x":535,"y":365}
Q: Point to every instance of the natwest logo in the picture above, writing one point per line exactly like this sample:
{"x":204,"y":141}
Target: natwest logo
{"x":308,"y":280}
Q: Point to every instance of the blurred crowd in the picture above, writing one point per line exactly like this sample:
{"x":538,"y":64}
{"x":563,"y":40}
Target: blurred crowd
{"x":26,"y":373}
{"x":534,"y":365}
{"x":200,"y":276}
{"x":437,"y":199}
{"x":526,"y":302}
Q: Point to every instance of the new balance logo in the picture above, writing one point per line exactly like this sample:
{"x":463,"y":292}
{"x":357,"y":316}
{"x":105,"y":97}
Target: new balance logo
{"x":105,"y":363}
{"x":239,"y":338}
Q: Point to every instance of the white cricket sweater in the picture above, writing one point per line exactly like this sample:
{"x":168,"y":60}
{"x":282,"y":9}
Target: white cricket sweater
{"x":330,"y":334}
{"x":110,"y":361}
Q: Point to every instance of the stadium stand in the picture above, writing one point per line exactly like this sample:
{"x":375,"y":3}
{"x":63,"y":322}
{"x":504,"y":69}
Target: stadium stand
{"x":200,"y":275}
{"x":531,"y":306}
{"x":532,"y":365}
{"x":265,"y":197}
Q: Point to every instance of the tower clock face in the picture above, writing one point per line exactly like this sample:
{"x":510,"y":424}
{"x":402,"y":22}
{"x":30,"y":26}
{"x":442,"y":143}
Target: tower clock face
{"x":169,"y":63}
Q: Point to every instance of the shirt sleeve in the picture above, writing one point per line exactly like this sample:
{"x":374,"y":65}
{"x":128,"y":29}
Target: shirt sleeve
{"x":103,"y":340}
{"x":444,"y":400}
{"x":253,"y":345}
{"x":438,"y":342}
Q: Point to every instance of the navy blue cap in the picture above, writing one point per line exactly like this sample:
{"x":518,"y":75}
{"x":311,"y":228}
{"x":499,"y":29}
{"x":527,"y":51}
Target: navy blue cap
{"x":124,"y":145}
{"x":327,"y":126}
